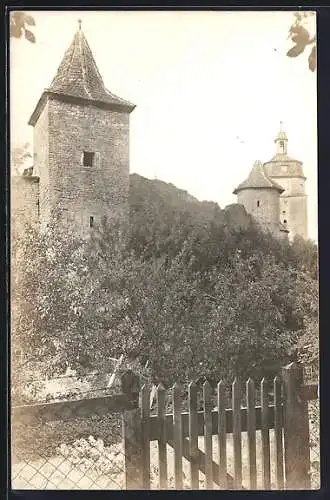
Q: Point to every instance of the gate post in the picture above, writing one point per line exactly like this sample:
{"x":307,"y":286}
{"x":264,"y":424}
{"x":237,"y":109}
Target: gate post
{"x":132,"y":432}
{"x":296,"y":430}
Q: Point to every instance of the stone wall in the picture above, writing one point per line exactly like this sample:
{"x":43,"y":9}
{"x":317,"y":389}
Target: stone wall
{"x":41,"y":165}
{"x":262,"y":204}
{"x":236,"y":216}
{"x":293,"y":201}
{"x":294,"y":186}
{"x":81,"y":196}
{"x":293,"y":205}
{"x":294,"y":212}
{"x":286,"y":168}
{"x":24,"y":199}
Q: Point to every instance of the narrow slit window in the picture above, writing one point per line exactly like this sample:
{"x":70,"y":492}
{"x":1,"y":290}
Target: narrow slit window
{"x":258,"y":203}
{"x":88,"y":159}
{"x":285,"y":221}
{"x":91,"y":221}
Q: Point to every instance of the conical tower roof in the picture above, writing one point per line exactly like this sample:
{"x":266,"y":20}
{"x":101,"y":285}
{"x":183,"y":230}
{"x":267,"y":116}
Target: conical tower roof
{"x":78,"y":78}
{"x":258,"y":179}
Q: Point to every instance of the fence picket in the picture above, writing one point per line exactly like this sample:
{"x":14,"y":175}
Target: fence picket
{"x":193,"y":436}
{"x":208,"y":449}
{"x":265,"y":436}
{"x":287,"y":415}
{"x":251,"y":432}
{"x":132,"y":433}
{"x":295,"y":430}
{"x":278,"y":433}
{"x":222,"y":437}
{"x":177,"y":434}
{"x":145,"y":414}
{"x":162,"y":453}
{"x":237,"y":437}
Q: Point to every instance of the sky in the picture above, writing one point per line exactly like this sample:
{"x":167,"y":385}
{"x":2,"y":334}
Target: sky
{"x":210,"y":89}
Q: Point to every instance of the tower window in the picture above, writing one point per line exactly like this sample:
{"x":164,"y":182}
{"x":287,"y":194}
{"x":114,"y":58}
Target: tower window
{"x":283,"y":212}
{"x":88,"y":159}
{"x":91,"y":221}
{"x":258,"y":203}
{"x":285,"y":221}
{"x":282,"y":145}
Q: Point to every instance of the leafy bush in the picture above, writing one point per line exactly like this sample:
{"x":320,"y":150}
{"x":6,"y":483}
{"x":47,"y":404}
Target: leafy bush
{"x":203,"y":299}
{"x":41,"y":440}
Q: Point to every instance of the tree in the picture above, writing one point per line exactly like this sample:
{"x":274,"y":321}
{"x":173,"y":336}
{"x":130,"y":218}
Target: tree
{"x":219,"y":302}
{"x":308,"y":345}
{"x":18,"y":26}
{"x":234,"y":317}
{"x":18,"y":157}
{"x":301,"y":37}
{"x":304,"y":255}
{"x":43,"y":294}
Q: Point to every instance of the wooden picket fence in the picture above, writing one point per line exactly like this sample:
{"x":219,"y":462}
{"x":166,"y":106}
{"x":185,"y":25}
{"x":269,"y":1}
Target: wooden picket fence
{"x":280,"y":405}
{"x":283,"y":408}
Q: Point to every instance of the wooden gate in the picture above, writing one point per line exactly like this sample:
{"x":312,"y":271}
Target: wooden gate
{"x":200,"y":436}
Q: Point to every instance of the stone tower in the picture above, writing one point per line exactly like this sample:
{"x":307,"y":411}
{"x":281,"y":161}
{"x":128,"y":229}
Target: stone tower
{"x":81,"y":145}
{"x":288,"y":172}
{"x":260,"y":197}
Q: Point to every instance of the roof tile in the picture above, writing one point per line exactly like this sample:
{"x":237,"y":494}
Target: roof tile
{"x":258,"y":179}
{"x":78,"y":77}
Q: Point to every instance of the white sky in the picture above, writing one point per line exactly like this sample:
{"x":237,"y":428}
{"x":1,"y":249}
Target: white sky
{"x":199,"y":80}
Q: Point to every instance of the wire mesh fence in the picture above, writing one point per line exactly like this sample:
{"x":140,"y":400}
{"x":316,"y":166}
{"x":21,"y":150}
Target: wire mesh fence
{"x":314,"y":442}
{"x":66,"y":451}
{"x":311,"y":376}
{"x":79,"y":445}
{"x":81,"y":453}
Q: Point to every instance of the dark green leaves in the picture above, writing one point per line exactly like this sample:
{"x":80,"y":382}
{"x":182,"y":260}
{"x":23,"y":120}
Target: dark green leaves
{"x":29,"y":20}
{"x":18,"y":22}
{"x":301,"y":38}
{"x":30,"y":36}
{"x":312,"y":59}
{"x":296,"y":51}
{"x":212,"y":301}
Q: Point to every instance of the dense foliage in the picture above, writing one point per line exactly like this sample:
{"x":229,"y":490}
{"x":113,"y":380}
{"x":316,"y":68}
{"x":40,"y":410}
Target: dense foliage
{"x":302,"y":38}
{"x":187,"y":293}
{"x":20,"y":23}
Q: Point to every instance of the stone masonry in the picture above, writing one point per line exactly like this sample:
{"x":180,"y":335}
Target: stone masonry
{"x":260,"y":196}
{"x":81,"y":146}
{"x":274,"y":193}
{"x":70,"y":191}
{"x":288,"y":172}
{"x":80,"y":176}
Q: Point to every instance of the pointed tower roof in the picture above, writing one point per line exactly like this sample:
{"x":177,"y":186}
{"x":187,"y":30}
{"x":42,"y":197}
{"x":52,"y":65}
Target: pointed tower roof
{"x":258,"y":179}
{"x":281,"y":136}
{"x":78,"y":78}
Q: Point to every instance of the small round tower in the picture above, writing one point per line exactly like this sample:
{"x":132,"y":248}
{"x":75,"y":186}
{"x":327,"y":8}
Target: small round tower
{"x":260,"y":197}
{"x":288,"y":172}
